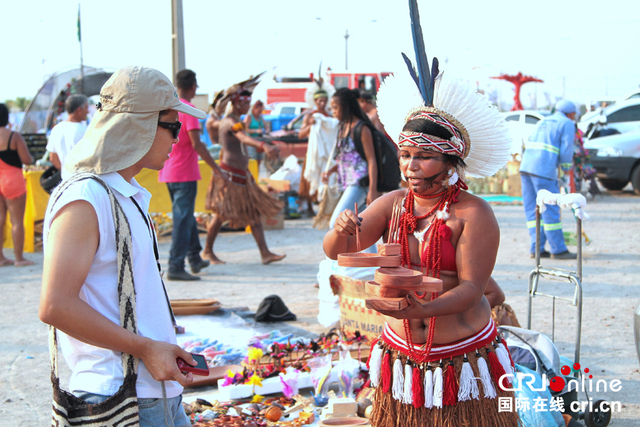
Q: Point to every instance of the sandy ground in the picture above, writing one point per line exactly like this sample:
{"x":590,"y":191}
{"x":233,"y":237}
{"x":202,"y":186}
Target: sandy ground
{"x":611,"y":291}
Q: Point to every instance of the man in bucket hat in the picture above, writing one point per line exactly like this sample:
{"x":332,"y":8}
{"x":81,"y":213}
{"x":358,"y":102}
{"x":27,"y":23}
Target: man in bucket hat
{"x":135,"y":127}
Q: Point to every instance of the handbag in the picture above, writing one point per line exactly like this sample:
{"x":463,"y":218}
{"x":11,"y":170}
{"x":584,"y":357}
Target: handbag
{"x":121,"y":409}
{"x":50,"y":179}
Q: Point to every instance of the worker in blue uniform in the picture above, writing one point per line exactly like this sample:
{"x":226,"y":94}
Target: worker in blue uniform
{"x":549,"y":147}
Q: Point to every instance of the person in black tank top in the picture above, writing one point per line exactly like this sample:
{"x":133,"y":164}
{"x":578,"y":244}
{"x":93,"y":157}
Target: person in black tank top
{"x":13,"y":154}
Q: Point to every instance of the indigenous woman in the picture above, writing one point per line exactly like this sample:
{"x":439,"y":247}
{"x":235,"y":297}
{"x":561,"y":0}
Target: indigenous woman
{"x":352,"y":168}
{"x":439,"y":360}
{"x":254,"y":124}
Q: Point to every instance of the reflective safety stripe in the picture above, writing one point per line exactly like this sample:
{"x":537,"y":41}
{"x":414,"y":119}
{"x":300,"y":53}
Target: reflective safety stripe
{"x":543,"y":146}
{"x":566,"y":166}
{"x":551,"y":227}
{"x":532,"y":224}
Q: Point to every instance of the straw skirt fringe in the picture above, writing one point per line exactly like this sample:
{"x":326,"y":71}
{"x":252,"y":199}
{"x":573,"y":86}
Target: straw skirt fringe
{"x":240,"y":204}
{"x":483,"y":412}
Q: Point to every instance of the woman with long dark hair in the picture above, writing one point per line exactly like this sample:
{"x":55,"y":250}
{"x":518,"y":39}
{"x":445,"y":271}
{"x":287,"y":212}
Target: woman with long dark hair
{"x":352,"y":168}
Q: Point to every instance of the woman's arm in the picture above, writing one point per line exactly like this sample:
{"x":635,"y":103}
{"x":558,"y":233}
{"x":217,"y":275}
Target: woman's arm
{"x":375,"y":218}
{"x":372,"y":163}
{"x":493,"y":293}
{"x":23,"y":151}
{"x":305,"y":129}
{"x":247,"y":121}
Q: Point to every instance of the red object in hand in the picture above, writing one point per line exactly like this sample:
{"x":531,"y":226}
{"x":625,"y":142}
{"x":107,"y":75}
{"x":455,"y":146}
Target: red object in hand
{"x":201,"y":367}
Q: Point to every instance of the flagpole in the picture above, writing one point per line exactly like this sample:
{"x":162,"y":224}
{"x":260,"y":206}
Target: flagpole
{"x":81,"y":58}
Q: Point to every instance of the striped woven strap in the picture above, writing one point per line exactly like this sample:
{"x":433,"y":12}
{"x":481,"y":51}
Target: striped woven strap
{"x":126,"y":285}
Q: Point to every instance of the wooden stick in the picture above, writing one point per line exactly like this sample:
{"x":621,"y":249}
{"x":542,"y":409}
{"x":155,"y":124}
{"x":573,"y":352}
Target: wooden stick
{"x":392,"y":223}
{"x":357,"y":233}
{"x":396,"y":221}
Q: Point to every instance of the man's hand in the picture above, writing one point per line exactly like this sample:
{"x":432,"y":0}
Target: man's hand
{"x":271,"y":151}
{"x":160,"y":359}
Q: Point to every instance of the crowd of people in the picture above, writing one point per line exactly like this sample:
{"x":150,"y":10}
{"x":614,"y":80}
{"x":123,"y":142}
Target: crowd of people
{"x":97,"y":223}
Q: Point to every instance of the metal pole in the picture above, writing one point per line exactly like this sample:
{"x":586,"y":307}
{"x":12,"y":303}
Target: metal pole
{"x":81,"y":86}
{"x":538,"y":248}
{"x":579,"y":234}
{"x":177,"y":36}
{"x":346,"y":50}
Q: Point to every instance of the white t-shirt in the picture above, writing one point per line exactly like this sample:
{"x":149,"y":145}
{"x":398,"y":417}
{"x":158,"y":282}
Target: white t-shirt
{"x":98,"y":370}
{"x":64,"y":136}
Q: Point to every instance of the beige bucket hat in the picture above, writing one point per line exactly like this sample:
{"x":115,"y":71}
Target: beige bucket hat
{"x":125,"y":123}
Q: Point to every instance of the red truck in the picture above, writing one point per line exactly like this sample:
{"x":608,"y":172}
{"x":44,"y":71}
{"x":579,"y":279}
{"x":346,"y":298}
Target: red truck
{"x":293,"y":89}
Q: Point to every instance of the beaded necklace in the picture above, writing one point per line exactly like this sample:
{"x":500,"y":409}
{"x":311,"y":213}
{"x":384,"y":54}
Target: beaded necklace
{"x":431,"y":249}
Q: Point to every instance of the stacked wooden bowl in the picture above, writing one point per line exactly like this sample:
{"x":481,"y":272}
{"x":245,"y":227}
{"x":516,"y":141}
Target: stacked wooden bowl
{"x":391,"y":282}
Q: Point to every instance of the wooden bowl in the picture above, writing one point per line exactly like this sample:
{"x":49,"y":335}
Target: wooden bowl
{"x":362,"y":259}
{"x":197,"y":309}
{"x":389,"y":249}
{"x":398,"y":277}
{"x":377,"y":290}
{"x":192,"y":302}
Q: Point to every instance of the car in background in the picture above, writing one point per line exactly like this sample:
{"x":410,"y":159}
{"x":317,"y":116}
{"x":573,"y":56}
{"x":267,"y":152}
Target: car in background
{"x":620,"y":117}
{"x":521,"y":124}
{"x":287,"y":138}
{"x":279,"y":114}
{"x":616,"y":159}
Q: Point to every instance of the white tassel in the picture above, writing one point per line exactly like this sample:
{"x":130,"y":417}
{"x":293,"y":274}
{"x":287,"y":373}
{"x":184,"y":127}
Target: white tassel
{"x":375,"y":363}
{"x":407,"y":397}
{"x":428,"y":388}
{"x":398,"y":380}
{"x":506,"y":352}
{"x":503,"y":357}
{"x":443,"y":214}
{"x":437,"y":387}
{"x":468,"y":386}
{"x":485,"y":378}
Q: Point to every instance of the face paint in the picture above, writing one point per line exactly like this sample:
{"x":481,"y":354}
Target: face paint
{"x":430,"y":180}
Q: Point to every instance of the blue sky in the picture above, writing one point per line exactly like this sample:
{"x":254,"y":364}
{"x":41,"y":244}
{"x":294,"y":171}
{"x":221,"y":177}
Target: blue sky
{"x":583,"y":50}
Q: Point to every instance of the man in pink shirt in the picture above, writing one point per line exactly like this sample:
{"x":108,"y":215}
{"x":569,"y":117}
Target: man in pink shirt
{"x":181,"y":173}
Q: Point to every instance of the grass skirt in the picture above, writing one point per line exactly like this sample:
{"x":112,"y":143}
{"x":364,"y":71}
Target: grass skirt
{"x":474,"y":412}
{"x":238,"y":199}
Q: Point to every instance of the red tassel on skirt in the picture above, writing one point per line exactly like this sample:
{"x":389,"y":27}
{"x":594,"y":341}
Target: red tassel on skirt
{"x":496,"y":369}
{"x":385,"y":373}
{"x":417,"y":388}
{"x":450,"y":386}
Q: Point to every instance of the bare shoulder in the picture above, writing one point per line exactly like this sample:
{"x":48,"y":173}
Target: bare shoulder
{"x":383,"y":204}
{"x":472,"y":205}
{"x":226,"y":123}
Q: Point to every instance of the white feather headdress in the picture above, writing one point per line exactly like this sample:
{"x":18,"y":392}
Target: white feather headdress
{"x":489,"y":138}
{"x":480,"y":134}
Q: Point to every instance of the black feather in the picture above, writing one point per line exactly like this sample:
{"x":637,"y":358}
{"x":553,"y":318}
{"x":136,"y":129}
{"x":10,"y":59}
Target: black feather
{"x":421,"y":55}
{"x":435,"y":69}
{"x":412,"y":71}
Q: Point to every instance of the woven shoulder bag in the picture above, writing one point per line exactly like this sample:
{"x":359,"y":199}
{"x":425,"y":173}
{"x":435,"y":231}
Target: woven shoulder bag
{"x":121,"y":409}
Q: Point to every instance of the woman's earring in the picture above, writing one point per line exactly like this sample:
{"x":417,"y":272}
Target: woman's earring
{"x":453,"y":177}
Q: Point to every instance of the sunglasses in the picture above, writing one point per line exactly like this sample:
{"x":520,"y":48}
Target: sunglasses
{"x":174,"y":127}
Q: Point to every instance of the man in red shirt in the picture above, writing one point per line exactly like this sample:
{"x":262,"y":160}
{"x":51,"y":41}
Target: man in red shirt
{"x":181,"y":173}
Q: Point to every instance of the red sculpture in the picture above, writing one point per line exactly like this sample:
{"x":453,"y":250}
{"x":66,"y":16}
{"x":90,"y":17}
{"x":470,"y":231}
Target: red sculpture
{"x":518,"y":80}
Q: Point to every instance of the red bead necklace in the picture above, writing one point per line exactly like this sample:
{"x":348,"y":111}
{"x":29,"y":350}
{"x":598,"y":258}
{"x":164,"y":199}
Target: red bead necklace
{"x":431,"y":251}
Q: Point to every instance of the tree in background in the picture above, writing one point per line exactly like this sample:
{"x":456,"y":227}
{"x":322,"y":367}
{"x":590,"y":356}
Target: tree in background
{"x":18,"y":104}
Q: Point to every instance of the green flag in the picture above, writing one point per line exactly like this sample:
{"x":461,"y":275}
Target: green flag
{"x":79,"y":31}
